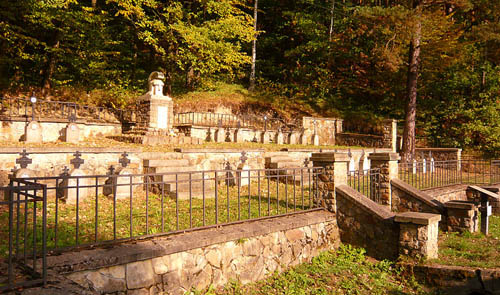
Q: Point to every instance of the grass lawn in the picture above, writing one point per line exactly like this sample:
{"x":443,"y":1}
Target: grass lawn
{"x":471,"y":249}
{"x":345,"y":271}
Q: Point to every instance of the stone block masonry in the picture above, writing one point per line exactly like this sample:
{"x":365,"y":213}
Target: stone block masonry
{"x":384,"y":234}
{"x":175,"y":264}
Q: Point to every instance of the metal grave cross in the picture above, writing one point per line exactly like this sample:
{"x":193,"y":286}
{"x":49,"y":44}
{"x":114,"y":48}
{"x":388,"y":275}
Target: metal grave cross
{"x":124,"y":161}
{"x":24,"y":161}
{"x":77,"y":161}
{"x":306,"y":162}
{"x":243,"y":157}
{"x":72,"y":118}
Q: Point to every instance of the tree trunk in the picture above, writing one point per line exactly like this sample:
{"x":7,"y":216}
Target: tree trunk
{"x":254,"y":46}
{"x":408,"y":151}
{"x":332,"y":13}
{"x":51,"y":64}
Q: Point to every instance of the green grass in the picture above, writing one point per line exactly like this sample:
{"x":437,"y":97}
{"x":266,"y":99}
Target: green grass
{"x":159,"y":216}
{"x":346,"y":271}
{"x":471,"y":249}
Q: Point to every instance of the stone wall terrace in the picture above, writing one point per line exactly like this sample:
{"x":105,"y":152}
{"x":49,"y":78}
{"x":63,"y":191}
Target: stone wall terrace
{"x":175,"y":264}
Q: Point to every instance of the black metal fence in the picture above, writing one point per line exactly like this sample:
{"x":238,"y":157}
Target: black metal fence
{"x":366,"y":182}
{"x":14,"y":107}
{"x":229,"y":121}
{"x":81,"y":211}
{"x":26,"y":239}
{"x":432,"y":174}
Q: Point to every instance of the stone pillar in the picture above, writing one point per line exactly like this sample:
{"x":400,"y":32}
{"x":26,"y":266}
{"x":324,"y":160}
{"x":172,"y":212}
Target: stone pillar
{"x":462,"y":216}
{"x":390,"y":134}
{"x":155,"y":109}
{"x":72,"y":133}
{"x":418,"y":234}
{"x":388,"y":165}
{"x":335,"y":173}
{"x":34,"y":132}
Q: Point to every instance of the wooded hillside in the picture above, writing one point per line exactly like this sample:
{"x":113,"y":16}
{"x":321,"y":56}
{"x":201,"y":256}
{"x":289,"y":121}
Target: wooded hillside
{"x":358,"y":59}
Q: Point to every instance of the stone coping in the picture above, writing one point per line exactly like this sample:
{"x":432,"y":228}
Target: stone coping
{"x":417,"y":218}
{"x":330,"y":157}
{"x":465,"y":205}
{"x":28,"y":120}
{"x":360,"y":135}
{"x":417,"y":194}
{"x":64,"y":149}
{"x":484,"y":191}
{"x":384,"y":157}
{"x":365,"y":203}
{"x":69,"y":262}
{"x":439,"y":149}
{"x":353,"y":149}
{"x":435,"y":191}
{"x":323,"y":119}
{"x":181,"y":150}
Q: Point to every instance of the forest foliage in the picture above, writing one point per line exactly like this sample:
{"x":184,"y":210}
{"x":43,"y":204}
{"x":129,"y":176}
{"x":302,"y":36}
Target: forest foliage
{"x":359,"y":67}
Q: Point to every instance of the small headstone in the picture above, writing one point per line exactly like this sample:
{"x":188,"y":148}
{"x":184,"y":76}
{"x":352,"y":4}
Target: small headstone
{"x":72,"y":133}
{"x":303,"y":138}
{"x":352,"y":165}
{"x":414,"y":167}
{"x":119,"y":183}
{"x":293,"y":138}
{"x":433,"y":166}
{"x":315,"y":139}
{"x":34,"y":132}
{"x":242,"y":174}
{"x":220,"y":135}
{"x":424,"y":166}
{"x":73,"y":188}
{"x":264,"y":137}
{"x":238,"y":136}
{"x":279,"y":137}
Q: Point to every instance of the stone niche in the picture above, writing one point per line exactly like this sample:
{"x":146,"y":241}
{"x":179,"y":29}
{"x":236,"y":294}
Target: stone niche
{"x":155,"y":110}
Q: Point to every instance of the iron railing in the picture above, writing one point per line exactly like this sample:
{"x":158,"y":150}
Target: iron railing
{"x":99,"y":209}
{"x":433,"y":174}
{"x":366,"y":182}
{"x":228,"y":121}
{"x":14,"y":107}
{"x":25,"y":241}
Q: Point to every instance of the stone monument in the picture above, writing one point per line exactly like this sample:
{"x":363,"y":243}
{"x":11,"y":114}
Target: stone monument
{"x":155,"y":108}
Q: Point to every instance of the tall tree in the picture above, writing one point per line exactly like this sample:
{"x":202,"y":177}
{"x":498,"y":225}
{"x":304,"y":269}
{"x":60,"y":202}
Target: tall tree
{"x":254,"y":46}
{"x":408,"y":150}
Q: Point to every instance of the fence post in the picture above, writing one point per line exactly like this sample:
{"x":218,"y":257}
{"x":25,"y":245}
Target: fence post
{"x":388,"y":165}
{"x":334,"y":174}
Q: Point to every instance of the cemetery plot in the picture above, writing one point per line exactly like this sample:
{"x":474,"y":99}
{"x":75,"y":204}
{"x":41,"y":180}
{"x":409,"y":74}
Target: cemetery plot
{"x":97,"y":219}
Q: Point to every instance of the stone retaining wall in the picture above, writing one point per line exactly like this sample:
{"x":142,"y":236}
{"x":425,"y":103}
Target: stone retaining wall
{"x":53,"y":131}
{"x":173,"y":265}
{"x":366,"y":224}
{"x":406,"y":198}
